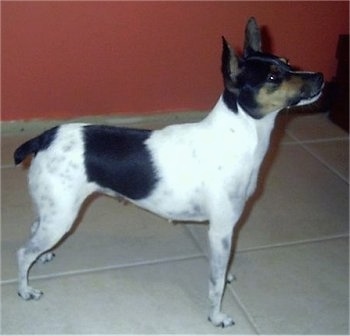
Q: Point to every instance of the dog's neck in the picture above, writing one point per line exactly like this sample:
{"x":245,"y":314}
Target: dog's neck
{"x":222,"y":117}
{"x":224,"y":114}
{"x":230,"y":99}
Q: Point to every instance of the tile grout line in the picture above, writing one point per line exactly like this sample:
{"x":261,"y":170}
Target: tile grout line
{"x":196,"y":242}
{"x":317,"y":157}
{"x":293,"y":243}
{"x":245,"y":310}
{"x":107,"y":268}
{"x":276,"y":245}
{"x":259,"y":248}
{"x":312,"y":141}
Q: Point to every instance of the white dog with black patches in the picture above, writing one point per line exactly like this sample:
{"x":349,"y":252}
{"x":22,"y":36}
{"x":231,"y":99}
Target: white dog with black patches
{"x":191,"y":172}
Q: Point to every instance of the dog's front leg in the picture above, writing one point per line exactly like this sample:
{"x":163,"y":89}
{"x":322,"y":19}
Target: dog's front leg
{"x":220,"y":241}
{"x":220,"y":246}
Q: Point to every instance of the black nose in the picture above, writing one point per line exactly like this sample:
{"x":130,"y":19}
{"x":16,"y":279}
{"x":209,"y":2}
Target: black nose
{"x":318,"y":79}
{"x":313,"y":84}
{"x":315,"y":78}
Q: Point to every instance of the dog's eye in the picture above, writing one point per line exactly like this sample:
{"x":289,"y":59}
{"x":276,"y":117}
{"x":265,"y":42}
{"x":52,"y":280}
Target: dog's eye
{"x":272,"y":77}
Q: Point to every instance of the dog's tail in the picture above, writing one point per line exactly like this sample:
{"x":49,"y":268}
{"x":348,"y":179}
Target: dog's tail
{"x":34,"y":145}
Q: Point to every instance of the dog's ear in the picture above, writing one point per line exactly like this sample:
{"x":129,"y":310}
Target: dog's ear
{"x":229,"y":65}
{"x":252,"y":42}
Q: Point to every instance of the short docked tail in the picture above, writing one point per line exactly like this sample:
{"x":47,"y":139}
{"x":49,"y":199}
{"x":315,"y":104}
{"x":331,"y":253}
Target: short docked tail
{"x":34,"y":145}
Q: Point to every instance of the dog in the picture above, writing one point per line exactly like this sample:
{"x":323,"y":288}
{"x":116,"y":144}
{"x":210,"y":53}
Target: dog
{"x":201,"y":171}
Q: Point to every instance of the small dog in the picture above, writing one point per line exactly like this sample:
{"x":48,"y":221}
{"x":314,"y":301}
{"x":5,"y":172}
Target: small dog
{"x":190,"y":172}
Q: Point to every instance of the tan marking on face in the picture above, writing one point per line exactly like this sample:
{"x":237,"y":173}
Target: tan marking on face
{"x":272,"y":98}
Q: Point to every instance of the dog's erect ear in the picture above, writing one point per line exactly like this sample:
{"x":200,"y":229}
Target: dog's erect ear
{"x":229,"y":65}
{"x":252,"y":40}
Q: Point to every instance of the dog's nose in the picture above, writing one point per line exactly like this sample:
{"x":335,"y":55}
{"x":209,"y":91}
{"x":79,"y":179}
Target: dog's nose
{"x":319,"y":79}
{"x":313,"y":84}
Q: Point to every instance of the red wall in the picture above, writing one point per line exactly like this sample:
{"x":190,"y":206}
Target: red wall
{"x":69,"y":59}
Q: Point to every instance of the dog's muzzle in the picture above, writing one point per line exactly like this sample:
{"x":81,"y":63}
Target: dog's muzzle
{"x":313,"y":85}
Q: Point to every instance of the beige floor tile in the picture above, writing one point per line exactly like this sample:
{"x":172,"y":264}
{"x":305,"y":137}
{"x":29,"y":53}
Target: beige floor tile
{"x":314,"y":126}
{"x":334,"y":154}
{"x":155,"y":299}
{"x":300,"y":289}
{"x":109,"y":233}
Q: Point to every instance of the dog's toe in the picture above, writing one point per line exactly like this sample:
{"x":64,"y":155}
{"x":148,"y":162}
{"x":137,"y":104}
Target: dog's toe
{"x":46,"y":257}
{"x":230,"y":277}
{"x":227,"y":322}
{"x":30,"y":294}
{"x":221,"y":320}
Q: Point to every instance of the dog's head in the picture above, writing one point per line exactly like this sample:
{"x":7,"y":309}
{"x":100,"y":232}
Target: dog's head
{"x":262,"y":83}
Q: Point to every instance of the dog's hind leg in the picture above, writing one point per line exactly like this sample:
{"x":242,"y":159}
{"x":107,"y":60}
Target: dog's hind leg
{"x":220,"y":240}
{"x":48,"y":256}
{"x":49,"y":230}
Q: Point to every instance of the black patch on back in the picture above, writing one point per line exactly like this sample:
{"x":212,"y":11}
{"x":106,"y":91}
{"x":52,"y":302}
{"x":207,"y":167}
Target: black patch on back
{"x":117,"y":158}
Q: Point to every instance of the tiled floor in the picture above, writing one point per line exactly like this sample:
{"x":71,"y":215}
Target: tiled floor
{"x":126,"y":271}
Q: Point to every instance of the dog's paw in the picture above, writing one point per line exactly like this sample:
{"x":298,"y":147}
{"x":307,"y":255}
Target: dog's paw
{"x":46,"y":257}
{"x":221,"y":320}
{"x":30,"y":294}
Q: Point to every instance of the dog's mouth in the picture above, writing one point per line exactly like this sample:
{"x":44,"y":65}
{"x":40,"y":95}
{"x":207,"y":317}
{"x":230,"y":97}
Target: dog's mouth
{"x":310,"y":86}
{"x":311,"y":91}
{"x":310,"y":98}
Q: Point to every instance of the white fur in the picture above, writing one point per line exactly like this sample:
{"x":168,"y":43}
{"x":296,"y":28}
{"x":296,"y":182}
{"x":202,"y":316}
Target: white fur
{"x":203,"y":161}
